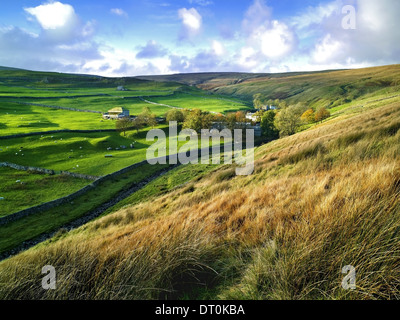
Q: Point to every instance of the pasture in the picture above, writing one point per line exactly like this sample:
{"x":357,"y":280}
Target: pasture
{"x":79,"y":152}
{"x":22,"y":189}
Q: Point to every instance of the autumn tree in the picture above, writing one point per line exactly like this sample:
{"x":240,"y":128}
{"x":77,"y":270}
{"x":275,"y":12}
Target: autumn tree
{"x":322,"y":114}
{"x":231,"y":121}
{"x":308,"y":116}
{"x":198,"y":120}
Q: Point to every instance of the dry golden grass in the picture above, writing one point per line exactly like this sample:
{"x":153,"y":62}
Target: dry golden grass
{"x":319,"y":200}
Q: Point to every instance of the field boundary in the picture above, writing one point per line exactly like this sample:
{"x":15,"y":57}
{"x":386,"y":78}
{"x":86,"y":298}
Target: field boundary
{"x":38,"y":133}
{"x":53,"y":107}
{"x":54,"y":203}
{"x":87,"y":217}
{"x":47,"y":171}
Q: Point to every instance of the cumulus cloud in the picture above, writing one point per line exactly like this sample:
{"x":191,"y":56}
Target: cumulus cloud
{"x":26,"y":50}
{"x":151,"y":50}
{"x":59,"y":22}
{"x":191,"y":22}
{"x":375,"y":39}
{"x":268,"y":37}
{"x":54,"y":15}
{"x":257,"y":14}
{"x":63,"y":44}
{"x":312,"y":40}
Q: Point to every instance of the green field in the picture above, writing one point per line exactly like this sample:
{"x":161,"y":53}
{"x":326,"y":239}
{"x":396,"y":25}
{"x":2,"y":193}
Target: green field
{"x":211,"y":103}
{"x":83,"y":153}
{"x":28,"y":228}
{"x":18,"y":118}
{"x":79,"y":152}
{"x":22,"y":189}
{"x":100,"y":103}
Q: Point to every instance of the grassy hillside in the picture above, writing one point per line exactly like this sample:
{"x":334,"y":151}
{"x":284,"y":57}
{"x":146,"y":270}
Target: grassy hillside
{"x":319,"y":200}
{"x":325,"y":89}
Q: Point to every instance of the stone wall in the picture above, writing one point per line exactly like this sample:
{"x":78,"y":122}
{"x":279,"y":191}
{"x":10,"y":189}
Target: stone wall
{"x":23,"y":135}
{"x":51,"y":204}
{"x":47,"y":171}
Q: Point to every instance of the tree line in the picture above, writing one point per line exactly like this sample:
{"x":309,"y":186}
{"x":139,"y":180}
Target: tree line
{"x":284,"y":121}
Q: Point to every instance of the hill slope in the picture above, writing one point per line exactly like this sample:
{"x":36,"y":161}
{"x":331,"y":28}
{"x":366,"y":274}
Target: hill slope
{"x":319,"y":200}
{"x":326,"y":89}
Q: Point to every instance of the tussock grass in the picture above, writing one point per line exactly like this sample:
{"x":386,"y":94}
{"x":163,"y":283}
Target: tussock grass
{"x":320,"y":200}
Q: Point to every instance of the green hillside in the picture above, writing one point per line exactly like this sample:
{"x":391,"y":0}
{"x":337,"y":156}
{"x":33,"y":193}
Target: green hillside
{"x":326,"y":89}
{"x":319,"y":200}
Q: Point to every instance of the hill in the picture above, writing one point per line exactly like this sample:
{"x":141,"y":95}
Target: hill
{"x":330,"y":89}
{"x":320,"y":200}
{"x":327,"y":89}
{"x":208,"y":80}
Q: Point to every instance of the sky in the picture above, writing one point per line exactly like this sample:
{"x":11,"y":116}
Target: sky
{"x":148,"y":37}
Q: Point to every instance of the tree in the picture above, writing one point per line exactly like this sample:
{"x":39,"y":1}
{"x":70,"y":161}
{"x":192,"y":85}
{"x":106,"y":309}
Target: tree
{"x":122,"y":125}
{"x":257,"y":102}
{"x":322,"y":114}
{"x":268,"y":126}
{"x":288,"y":120}
{"x":194,"y":120}
{"x":137,"y":124}
{"x":240,"y":120}
{"x":259,"y":115}
{"x":147,"y":117}
{"x":175,"y":115}
{"x":308,"y":116}
{"x":231,"y":121}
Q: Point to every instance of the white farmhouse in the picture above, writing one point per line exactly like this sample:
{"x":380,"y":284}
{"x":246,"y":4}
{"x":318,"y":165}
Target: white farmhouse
{"x":116,"y":113}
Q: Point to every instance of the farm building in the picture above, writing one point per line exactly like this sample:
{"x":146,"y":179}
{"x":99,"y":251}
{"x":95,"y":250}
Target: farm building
{"x":251,"y":116}
{"x":116,"y":113}
{"x":269,"y":107}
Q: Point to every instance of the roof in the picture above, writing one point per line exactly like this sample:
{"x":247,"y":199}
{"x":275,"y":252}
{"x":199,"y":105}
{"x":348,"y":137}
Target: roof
{"x":116,"y":110}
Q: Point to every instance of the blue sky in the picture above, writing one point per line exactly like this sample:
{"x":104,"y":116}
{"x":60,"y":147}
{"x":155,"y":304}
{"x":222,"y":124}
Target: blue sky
{"x":137,"y":37}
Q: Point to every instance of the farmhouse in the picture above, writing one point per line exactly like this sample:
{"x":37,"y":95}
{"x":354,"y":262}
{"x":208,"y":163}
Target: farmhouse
{"x":116,"y":113}
{"x":269,"y":107}
{"x":251,"y":116}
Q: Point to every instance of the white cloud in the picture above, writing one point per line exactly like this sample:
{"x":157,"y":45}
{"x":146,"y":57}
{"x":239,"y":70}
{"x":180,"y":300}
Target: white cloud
{"x":60,"y":23}
{"x":316,"y":15}
{"x":374,"y":41}
{"x":119,"y":12}
{"x":271,"y":38}
{"x":218,"y":48}
{"x":191,"y":22}
{"x":327,"y":50}
{"x":258,"y":14}
{"x":202,"y":3}
{"x":277,"y":41}
{"x":151,"y":50}
{"x":54,"y":15}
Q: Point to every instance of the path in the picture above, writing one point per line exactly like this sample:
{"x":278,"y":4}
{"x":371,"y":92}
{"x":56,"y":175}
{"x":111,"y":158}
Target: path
{"x":160,"y":104}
